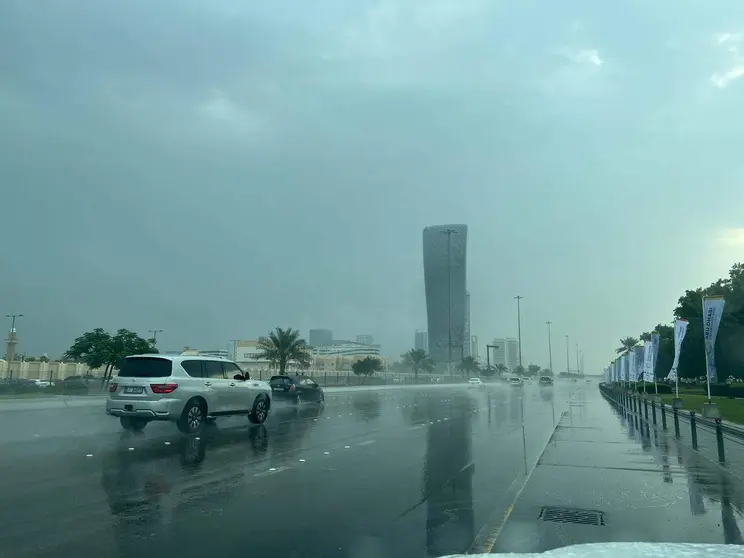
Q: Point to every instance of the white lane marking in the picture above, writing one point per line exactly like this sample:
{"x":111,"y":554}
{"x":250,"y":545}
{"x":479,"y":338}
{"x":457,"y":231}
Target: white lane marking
{"x":367,"y":442}
{"x":272,"y":471}
{"x":347,"y":447}
{"x":302,"y":460}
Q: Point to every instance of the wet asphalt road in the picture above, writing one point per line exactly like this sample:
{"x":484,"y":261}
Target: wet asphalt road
{"x":408,"y":472}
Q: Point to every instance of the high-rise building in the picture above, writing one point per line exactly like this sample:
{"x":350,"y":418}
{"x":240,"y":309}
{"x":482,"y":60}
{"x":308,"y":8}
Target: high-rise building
{"x":512,"y":354}
{"x":445,"y":280}
{"x":421,"y":341}
{"x":474,"y":346}
{"x":365,"y":340}
{"x":320,"y":337}
{"x":498,"y":352}
{"x":506,"y":353}
{"x":467,"y":348}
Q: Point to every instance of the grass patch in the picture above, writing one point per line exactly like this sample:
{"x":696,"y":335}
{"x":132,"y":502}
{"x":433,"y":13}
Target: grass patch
{"x":732,"y":410}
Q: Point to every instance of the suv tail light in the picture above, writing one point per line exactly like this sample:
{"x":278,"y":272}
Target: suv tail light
{"x":291,"y":387}
{"x":163,"y":388}
{"x":113,"y":387}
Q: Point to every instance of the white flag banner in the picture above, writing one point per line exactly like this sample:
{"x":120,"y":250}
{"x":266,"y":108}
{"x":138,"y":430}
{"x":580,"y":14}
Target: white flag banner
{"x":648,"y":361}
{"x":712,"y":312}
{"x":680,"y":329}
{"x":638,"y":372}
{"x":631,"y":366}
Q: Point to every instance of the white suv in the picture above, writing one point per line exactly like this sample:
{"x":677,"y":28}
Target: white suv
{"x":186,"y":390}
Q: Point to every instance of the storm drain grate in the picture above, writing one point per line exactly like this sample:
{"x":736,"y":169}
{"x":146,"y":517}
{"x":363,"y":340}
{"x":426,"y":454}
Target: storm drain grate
{"x":572,"y":515}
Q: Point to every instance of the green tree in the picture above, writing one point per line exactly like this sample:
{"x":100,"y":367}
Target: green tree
{"x":366,"y":367}
{"x":469,"y":366}
{"x":533,"y":370}
{"x":519,"y":370}
{"x":626,"y":345}
{"x":488,"y":371}
{"x":501,"y":368}
{"x":417,"y":359}
{"x":283,"y":346}
{"x":98,"y":349}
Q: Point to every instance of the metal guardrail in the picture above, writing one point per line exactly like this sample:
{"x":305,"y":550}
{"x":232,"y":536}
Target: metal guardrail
{"x":651,"y":412}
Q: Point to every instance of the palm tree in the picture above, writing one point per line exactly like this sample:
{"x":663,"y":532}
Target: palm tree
{"x":501,"y":368}
{"x":626,"y":345}
{"x":283,"y":346}
{"x":469,"y":365}
{"x":418,"y":360}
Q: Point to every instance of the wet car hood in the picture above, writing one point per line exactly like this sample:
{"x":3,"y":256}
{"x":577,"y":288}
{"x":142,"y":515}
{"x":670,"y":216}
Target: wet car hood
{"x":630,"y":550}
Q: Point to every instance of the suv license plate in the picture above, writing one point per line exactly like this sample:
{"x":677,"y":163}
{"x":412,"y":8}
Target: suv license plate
{"x":133,"y":390}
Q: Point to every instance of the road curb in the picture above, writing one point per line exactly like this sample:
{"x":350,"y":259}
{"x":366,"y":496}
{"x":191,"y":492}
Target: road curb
{"x":486,"y":538}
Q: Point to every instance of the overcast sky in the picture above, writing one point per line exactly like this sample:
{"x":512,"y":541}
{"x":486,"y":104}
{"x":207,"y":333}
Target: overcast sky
{"x":217,"y":168}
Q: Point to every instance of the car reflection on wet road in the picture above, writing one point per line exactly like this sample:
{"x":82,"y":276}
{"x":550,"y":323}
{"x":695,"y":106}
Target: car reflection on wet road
{"x":398,"y":472}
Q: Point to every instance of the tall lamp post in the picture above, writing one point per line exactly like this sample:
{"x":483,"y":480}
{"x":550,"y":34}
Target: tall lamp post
{"x":12,"y":342}
{"x":578,"y":368}
{"x":519,"y":328}
{"x":568,"y":360}
{"x":550,"y":359}
{"x":155,"y":335}
{"x":550,"y":347}
{"x":449,"y":233}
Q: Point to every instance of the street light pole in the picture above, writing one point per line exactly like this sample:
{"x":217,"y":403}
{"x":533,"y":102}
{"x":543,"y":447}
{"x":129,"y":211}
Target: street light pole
{"x":449,"y":233}
{"x":155,"y":334}
{"x":568,"y":361}
{"x":550,"y":347}
{"x":519,"y":328}
{"x":578,"y":368}
{"x":11,"y":343}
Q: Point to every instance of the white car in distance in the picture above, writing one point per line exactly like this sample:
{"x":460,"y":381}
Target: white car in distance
{"x":476,"y":383}
{"x":187,"y":390}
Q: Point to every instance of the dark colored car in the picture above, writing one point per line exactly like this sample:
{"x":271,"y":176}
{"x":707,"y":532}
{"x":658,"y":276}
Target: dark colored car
{"x":545,"y":381}
{"x":296,"y":389}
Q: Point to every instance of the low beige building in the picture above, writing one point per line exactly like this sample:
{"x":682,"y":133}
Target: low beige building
{"x":37,"y":370}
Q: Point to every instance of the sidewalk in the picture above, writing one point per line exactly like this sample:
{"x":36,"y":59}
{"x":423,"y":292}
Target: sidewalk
{"x":602,"y":479}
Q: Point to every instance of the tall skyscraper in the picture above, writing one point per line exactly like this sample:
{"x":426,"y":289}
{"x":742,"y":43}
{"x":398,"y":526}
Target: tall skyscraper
{"x":320,"y":337}
{"x":506,"y":353}
{"x":467,"y":348}
{"x":421,"y":341}
{"x":498,"y":352}
{"x":474,"y":346}
{"x":512,"y":354}
{"x":365,"y":340}
{"x":445,"y":280}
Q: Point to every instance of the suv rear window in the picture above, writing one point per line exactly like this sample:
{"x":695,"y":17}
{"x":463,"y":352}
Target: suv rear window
{"x":279,"y":380}
{"x":145,"y":367}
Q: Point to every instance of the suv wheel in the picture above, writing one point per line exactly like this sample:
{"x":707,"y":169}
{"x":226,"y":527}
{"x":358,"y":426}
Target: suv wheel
{"x":133,"y":424}
{"x":260,"y":410}
{"x":193,"y":417}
